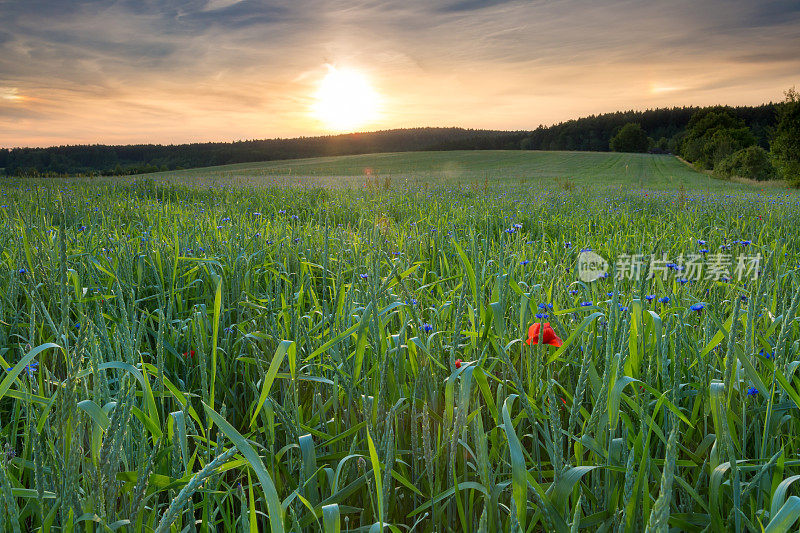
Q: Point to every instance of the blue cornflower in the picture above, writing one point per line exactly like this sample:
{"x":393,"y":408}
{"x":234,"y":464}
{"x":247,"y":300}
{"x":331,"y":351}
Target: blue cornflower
{"x":586,"y":250}
{"x":683,"y":281}
{"x":752,"y":391}
{"x":701,"y":242}
{"x":545,"y":306}
{"x":767,"y":355}
{"x":22,"y":271}
{"x":623,"y":308}
{"x":574,"y":291}
{"x":704,"y":251}
{"x":427,"y":328}
{"x":30,"y":369}
{"x":364,"y":276}
{"x":698,"y":307}
{"x":664,"y":299}
{"x":568,"y":244}
{"x":525,"y":262}
{"x":542,"y":315}
{"x":586,"y":304}
{"x":650,"y":297}
{"x":412,"y":301}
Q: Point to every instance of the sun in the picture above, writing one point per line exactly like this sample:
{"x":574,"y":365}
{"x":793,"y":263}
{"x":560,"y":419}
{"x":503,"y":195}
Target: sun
{"x":345,"y":100}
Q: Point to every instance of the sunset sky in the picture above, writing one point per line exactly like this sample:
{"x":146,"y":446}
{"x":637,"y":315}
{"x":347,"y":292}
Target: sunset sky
{"x":173,"y":71}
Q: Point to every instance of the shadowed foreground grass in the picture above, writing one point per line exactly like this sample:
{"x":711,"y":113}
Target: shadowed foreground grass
{"x":307,"y":358}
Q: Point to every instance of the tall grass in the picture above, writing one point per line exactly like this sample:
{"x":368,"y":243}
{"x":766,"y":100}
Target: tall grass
{"x":300,"y":358}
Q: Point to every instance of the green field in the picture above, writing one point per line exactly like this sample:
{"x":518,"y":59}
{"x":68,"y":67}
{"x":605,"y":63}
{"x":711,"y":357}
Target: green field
{"x":288,"y":346}
{"x":589,"y":169}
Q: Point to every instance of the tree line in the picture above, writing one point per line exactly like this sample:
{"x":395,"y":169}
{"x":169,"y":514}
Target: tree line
{"x":720,"y":140}
{"x":673,"y":130}
{"x":133,"y":159}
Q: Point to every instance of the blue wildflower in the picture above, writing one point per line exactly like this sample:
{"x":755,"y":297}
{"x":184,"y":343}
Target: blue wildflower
{"x":586,"y":304}
{"x":752,"y":391}
{"x":542,"y":315}
{"x":664,"y":299}
{"x":427,"y":328}
{"x":698,"y":307}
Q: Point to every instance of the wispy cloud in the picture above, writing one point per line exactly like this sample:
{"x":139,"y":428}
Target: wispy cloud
{"x":178,"y":70}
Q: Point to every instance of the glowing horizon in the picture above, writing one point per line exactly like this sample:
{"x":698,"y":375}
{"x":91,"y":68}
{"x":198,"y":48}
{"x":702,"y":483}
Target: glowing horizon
{"x":95,"y":71}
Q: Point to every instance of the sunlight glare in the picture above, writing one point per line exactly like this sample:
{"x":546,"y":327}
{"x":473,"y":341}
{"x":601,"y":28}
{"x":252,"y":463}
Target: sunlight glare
{"x":345,"y":100}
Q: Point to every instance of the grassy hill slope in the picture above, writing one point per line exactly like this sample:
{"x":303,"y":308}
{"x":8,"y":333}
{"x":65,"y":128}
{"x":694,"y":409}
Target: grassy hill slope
{"x":552,"y":169}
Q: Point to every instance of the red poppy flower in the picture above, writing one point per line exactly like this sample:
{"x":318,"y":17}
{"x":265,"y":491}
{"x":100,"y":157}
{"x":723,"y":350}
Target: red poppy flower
{"x":548,"y":336}
{"x":190,"y":353}
{"x":458,"y":363}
